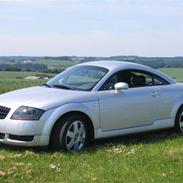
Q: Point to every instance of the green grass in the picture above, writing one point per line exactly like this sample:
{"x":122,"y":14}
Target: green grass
{"x":151,"y":157}
{"x":175,"y":73}
{"x":14,"y":80}
{"x":148,"y":157}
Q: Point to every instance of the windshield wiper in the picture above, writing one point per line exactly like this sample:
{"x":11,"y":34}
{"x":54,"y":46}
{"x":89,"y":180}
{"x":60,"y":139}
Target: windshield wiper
{"x":47,"y":85}
{"x":62,"y":87}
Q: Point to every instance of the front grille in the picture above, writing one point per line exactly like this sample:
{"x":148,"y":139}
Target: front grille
{"x":4,"y":112}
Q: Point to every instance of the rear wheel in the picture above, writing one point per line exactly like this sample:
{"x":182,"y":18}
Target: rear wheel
{"x":179,"y":121}
{"x":70,"y":134}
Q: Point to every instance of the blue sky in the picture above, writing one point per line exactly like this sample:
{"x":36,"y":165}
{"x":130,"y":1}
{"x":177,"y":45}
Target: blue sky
{"x":91,"y":27}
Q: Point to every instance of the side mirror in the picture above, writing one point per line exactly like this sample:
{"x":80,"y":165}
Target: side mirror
{"x":121,"y":86}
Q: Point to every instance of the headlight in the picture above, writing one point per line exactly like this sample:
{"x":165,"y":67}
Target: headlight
{"x":27,"y":113}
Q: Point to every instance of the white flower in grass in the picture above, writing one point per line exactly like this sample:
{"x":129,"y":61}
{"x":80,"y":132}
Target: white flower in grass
{"x":52,"y":166}
{"x":55,"y":167}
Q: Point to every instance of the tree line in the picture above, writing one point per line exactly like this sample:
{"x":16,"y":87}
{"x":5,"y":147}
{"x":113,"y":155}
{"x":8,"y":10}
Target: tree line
{"x":17,"y":63}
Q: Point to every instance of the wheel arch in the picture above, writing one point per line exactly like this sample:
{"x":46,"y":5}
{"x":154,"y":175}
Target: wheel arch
{"x":89,"y":109}
{"x":89,"y":122}
{"x":176,"y":107}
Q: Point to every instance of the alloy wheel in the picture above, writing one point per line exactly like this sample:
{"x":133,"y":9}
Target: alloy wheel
{"x":75,"y":136}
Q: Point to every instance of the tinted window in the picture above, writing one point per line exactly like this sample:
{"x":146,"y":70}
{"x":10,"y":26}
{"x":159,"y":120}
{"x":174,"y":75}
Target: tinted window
{"x":159,"y":81}
{"x":134,"y":79}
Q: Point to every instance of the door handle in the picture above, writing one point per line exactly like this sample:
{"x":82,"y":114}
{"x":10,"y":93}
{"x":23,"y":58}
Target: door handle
{"x":155,"y":93}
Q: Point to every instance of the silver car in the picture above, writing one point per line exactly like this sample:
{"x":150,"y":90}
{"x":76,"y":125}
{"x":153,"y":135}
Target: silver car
{"x":90,"y":101}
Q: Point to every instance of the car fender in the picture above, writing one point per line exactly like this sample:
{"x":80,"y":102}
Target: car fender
{"x":91,"y":109}
{"x":176,"y":107}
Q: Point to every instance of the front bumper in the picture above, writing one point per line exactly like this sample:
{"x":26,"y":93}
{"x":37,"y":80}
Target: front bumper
{"x":37,"y":140}
{"x":24,"y":133}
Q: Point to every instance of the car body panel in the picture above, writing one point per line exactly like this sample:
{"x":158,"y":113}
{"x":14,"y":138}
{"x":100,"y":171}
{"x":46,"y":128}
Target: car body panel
{"x":88,"y":108}
{"x":168,"y":96}
{"x":44,"y":97}
{"x":141,"y":112}
{"x":157,"y":125}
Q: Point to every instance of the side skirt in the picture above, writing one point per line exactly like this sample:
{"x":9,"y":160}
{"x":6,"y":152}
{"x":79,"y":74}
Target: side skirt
{"x":160,"y":124}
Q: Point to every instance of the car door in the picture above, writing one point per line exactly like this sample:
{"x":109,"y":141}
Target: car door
{"x":133,"y":107}
{"x":168,"y":96}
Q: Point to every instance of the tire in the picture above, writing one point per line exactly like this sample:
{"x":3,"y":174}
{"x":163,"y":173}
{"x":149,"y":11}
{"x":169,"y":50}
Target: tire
{"x":179,"y":121}
{"x":70,"y":134}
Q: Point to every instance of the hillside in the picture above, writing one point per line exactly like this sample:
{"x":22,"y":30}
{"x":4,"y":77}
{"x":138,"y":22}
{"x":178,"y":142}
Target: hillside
{"x":57,"y":64}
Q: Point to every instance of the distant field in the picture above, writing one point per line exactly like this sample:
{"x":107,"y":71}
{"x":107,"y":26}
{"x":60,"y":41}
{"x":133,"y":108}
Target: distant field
{"x":11,"y":75}
{"x":176,"y":73}
{"x":15,"y":80}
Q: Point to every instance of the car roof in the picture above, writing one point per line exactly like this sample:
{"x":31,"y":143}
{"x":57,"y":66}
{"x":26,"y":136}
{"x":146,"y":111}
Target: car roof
{"x":111,"y":64}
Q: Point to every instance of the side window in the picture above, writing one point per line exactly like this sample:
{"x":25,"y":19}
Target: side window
{"x":134,"y":79}
{"x":109,"y":84}
{"x":141,"y":79}
{"x":159,"y":81}
{"x":123,"y":76}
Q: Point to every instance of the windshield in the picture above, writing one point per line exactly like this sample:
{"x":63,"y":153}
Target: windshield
{"x":78,"y":78}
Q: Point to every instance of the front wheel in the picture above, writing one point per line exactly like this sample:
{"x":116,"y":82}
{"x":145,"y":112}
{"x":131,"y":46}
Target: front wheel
{"x":179,"y":121}
{"x":70,"y":134}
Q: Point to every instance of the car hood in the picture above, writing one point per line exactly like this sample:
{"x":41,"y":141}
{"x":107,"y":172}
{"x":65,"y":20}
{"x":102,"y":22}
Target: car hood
{"x":44,"y":97}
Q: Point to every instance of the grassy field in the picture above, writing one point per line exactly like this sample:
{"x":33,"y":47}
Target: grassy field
{"x":15,"y":80}
{"x":176,"y":73}
{"x":148,"y":157}
{"x":152,"y":157}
